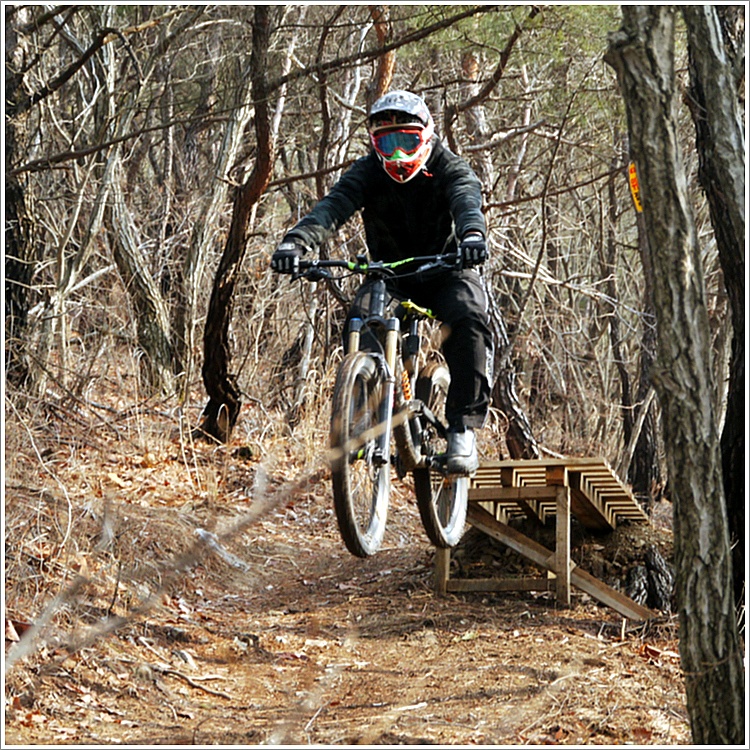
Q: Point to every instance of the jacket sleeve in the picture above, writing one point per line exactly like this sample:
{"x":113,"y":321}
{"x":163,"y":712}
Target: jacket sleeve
{"x":345,"y":198}
{"x":464,"y":191}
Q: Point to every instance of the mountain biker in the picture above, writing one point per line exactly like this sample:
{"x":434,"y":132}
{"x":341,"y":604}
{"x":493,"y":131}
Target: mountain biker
{"x":418,"y":198}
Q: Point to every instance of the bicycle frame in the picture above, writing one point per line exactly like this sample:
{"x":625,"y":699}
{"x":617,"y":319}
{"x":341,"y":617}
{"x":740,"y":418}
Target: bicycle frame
{"x":375,"y":319}
{"x":367,"y":393}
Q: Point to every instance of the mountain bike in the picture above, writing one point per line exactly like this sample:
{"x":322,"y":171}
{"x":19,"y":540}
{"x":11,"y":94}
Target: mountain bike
{"x":388,"y":410}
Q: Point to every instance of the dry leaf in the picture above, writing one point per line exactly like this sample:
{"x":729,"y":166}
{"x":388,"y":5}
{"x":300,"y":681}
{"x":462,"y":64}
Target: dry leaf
{"x":116,"y":479}
{"x":10,"y":632}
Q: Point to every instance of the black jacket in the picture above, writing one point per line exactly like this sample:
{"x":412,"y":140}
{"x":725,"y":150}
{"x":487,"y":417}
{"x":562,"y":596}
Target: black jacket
{"x":424,"y":216}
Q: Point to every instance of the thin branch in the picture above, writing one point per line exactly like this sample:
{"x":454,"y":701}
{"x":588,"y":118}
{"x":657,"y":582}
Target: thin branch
{"x":103,"y":37}
{"x":309,"y":175}
{"x":41,"y":20}
{"x":322,"y":67}
{"x":554,"y":193}
{"x":497,"y":74}
{"x":452,"y":111}
{"x":502,"y":136}
{"x":37,"y":165}
{"x":358,"y":58}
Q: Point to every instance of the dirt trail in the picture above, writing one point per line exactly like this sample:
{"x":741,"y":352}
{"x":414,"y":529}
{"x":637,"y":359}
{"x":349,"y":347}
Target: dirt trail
{"x":303,"y":643}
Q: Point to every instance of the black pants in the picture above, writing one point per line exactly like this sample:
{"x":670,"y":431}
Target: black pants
{"x":458,"y":299}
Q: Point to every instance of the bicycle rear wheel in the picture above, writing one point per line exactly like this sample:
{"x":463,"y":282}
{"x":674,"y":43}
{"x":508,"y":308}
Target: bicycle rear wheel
{"x":361,"y":477}
{"x":442,"y":500}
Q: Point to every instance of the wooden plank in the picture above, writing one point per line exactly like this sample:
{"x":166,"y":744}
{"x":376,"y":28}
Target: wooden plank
{"x":556,"y":475}
{"x":442,"y":568}
{"x":588,"y":513}
{"x":562,"y":545}
{"x":609,"y":596}
{"x":596,"y":515}
{"x":519,"y":583}
{"x":541,"y":556}
{"x":511,"y":493}
{"x":526,"y":463}
{"x":520,"y":499}
{"x":498,"y":510}
{"x":622,"y":509}
{"x":517,"y":541}
{"x":508,"y":477}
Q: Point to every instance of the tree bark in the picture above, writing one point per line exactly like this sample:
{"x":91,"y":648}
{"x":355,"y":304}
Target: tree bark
{"x":19,"y":245}
{"x":223,"y":407}
{"x":452,"y":111}
{"x":477,"y":128}
{"x":204,"y":234}
{"x":644,"y":471}
{"x":642,"y":53}
{"x":519,"y":437}
{"x":721,"y":171}
{"x":381,"y":81}
{"x":608,"y":264}
{"x":150,"y":309}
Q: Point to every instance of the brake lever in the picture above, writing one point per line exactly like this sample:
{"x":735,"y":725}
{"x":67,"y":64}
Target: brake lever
{"x":312,"y":273}
{"x":316,"y":274}
{"x":429,"y":270}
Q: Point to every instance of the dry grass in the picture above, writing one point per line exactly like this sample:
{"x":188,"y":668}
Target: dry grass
{"x":106,"y":569}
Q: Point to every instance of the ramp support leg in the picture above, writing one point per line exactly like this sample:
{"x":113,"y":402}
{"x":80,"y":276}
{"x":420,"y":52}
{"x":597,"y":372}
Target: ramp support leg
{"x":442,"y":570}
{"x":562,"y":545}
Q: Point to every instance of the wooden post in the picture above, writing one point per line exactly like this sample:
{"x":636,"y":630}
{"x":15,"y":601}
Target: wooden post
{"x":544,"y":558}
{"x":562,"y":545}
{"x":442,"y":570}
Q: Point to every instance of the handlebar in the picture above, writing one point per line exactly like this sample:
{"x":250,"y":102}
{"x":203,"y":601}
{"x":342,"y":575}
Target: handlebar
{"x":316,"y":270}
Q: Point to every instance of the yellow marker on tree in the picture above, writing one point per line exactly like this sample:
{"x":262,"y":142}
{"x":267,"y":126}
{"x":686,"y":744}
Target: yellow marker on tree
{"x":635,"y":191}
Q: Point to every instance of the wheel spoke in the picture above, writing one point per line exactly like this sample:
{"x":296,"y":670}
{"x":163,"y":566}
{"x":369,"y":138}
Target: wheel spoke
{"x":361,"y":481}
{"x":442,"y":500}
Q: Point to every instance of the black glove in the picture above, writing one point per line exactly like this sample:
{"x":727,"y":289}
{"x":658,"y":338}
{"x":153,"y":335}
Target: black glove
{"x":473,"y":250}
{"x":287,"y":255}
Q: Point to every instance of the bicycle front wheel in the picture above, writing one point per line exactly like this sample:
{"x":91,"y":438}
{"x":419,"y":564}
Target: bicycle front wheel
{"x":361,"y":474}
{"x":442,"y":500}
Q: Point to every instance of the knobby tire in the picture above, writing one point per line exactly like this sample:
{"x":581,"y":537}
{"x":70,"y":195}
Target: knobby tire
{"x":442,"y":500}
{"x":361,"y":483}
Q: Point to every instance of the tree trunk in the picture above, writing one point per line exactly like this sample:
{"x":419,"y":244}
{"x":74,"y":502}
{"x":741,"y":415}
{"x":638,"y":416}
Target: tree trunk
{"x":150,"y":310}
{"x":640,"y":462}
{"x":644,"y":472}
{"x":190,"y":271}
{"x":519,"y":437}
{"x":19,"y":245}
{"x":608,"y":266}
{"x":223,"y":407}
{"x":19,"y":268}
{"x":642,"y":53}
{"x":477,"y":129}
{"x":721,"y":151}
{"x":386,"y":64}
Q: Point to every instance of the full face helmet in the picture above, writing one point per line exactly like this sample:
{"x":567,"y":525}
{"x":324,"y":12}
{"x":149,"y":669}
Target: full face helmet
{"x":401,"y":128}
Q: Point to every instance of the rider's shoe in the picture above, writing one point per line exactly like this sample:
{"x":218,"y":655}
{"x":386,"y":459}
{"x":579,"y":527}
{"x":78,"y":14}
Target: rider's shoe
{"x":461,"y":456}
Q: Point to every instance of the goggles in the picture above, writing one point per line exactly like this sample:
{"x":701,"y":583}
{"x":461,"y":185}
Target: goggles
{"x":408,"y":141}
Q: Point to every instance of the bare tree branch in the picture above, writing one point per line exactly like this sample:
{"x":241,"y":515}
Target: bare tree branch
{"x":372,"y":54}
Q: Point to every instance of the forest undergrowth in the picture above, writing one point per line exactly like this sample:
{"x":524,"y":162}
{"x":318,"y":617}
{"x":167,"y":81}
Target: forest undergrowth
{"x":161,"y":589}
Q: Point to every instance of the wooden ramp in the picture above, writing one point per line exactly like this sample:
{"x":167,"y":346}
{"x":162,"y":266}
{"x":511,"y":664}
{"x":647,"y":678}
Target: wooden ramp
{"x":585,"y":487}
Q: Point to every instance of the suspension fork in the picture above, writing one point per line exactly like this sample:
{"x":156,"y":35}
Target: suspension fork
{"x":392,"y":333}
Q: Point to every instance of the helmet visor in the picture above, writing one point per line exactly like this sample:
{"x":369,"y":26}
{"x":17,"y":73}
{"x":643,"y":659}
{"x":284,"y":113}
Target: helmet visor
{"x":407,"y":141}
